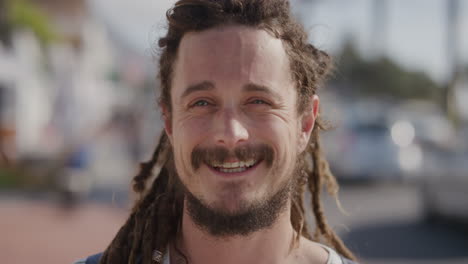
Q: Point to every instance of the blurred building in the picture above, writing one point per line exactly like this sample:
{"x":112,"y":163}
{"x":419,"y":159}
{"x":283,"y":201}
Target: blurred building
{"x":57,"y":97}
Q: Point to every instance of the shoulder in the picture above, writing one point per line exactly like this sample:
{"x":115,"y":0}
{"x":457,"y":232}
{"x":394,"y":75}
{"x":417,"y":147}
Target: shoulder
{"x":94,"y":259}
{"x":334,"y":257}
{"x":347,"y":261}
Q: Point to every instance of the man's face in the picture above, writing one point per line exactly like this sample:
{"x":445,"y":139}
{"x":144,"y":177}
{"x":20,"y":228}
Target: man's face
{"x":232,"y":92}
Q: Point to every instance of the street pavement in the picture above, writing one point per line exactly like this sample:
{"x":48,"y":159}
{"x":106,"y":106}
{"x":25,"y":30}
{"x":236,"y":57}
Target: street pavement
{"x":42,"y":231}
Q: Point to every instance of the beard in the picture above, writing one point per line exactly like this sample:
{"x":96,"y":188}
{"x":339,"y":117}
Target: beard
{"x":248,"y":219}
{"x":249,"y":216}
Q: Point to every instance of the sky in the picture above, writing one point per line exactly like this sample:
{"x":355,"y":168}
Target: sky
{"x":415,"y":36}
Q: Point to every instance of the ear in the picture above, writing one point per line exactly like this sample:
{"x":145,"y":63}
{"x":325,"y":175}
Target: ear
{"x":167,"y":121}
{"x":307,"y":122}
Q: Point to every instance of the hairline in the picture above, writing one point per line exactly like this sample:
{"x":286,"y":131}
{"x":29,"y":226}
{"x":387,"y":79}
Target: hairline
{"x":232,"y":23}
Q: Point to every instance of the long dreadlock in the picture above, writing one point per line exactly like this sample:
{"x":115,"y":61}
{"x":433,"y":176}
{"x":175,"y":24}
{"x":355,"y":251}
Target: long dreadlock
{"x":156,"y":217}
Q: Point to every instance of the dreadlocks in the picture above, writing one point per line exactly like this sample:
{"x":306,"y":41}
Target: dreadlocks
{"x":155,"y":219}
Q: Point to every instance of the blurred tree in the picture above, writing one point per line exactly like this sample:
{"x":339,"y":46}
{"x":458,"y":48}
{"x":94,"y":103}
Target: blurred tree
{"x":24,"y":14}
{"x":380,"y":76}
{"x":5,"y":27}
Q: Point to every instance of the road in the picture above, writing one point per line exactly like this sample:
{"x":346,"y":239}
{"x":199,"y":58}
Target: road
{"x":385,"y":225}
{"x":42,"y":231}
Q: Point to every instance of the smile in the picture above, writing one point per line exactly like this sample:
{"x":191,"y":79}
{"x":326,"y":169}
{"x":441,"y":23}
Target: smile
{"x":234,"y":167}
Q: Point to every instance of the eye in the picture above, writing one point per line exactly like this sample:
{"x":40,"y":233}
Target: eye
{"x":201,"y":103}
{"x":258,"y":101}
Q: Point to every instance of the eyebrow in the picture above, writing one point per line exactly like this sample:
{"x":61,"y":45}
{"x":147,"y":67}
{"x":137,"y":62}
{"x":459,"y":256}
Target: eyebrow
{"x":203,"y":86}
{"x":208,"y":86}
{"x":252,"y":87}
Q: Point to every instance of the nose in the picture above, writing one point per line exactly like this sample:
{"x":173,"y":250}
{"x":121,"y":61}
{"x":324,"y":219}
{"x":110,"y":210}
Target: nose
{"x":230,"y":131}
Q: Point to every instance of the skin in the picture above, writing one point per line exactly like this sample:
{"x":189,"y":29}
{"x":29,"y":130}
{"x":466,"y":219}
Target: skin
{"x":214,"y":104}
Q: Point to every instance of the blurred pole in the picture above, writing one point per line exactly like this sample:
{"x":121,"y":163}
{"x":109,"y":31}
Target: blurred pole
{"x":453,"y":40}
{"x":379,"y":28}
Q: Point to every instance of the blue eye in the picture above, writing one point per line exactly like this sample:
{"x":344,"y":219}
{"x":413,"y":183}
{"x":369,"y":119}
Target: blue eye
{"x":201,"y":103}
{"x":258,"y":101}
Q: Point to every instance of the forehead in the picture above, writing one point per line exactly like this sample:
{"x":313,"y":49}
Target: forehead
{"x":231,"y":55}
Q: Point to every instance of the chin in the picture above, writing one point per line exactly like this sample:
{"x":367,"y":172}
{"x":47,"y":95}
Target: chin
{"x":232,"y":200}
{"x":235,"y":210}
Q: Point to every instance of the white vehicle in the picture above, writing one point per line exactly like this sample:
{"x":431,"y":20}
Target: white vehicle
{"x":367,"y":145}
{"x":444,"y":172}
{"x":445,"y":186}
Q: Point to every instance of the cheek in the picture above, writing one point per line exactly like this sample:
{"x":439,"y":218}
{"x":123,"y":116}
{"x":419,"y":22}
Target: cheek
{"x":280,"y":131}
{"x":188,"y":125}
{"x":187,"y":133}
{"x":282,"y":136}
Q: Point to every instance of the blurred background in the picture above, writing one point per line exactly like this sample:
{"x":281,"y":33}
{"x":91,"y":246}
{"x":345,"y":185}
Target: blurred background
{"x":78,"y":112}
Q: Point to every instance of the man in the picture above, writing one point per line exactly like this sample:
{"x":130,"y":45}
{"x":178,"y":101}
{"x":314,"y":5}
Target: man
{"x":240,"y":144}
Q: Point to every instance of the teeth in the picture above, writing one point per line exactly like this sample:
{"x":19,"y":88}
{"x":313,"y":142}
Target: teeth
{"x":250,"y":163}
{"x":232,"y":170}
{"x":234,"y":165}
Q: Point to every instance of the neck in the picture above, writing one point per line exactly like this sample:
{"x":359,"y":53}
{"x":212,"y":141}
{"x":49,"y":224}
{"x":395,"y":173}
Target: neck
{"x":270,"y":245}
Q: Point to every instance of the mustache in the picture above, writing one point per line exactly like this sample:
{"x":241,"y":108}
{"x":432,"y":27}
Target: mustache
{"x":242,"y":153}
